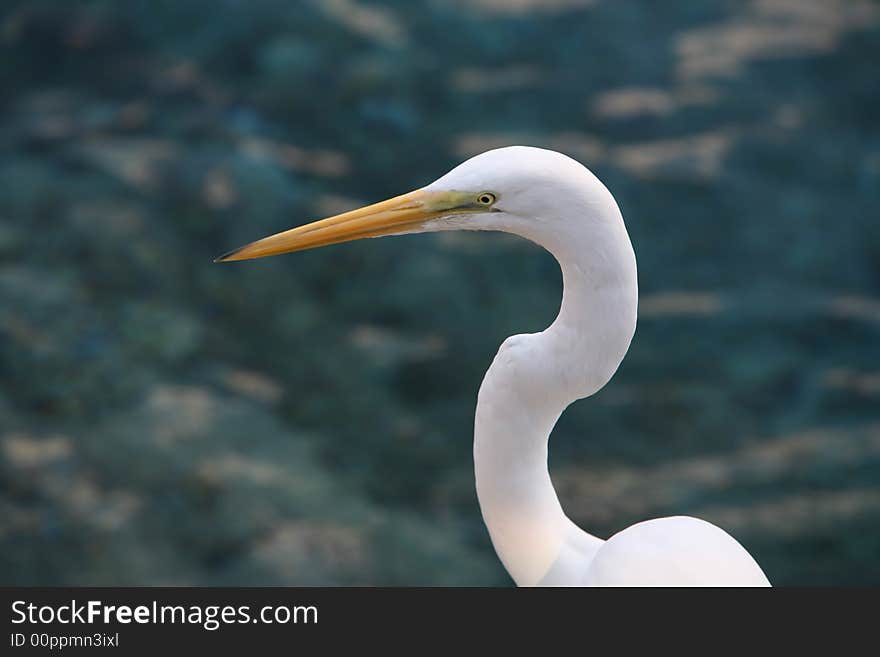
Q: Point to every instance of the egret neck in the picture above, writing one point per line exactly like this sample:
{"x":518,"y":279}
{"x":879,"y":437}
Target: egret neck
{"x":531,"y":381}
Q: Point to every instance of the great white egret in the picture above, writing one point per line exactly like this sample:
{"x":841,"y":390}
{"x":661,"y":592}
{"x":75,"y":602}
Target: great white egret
{"x":550,"y":199}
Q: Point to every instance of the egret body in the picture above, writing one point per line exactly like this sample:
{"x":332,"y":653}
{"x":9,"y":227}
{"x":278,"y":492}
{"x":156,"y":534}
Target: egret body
{"x":554,"y":201}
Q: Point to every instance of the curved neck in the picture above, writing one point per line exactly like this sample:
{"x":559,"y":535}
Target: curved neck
{"x":531,"y":381}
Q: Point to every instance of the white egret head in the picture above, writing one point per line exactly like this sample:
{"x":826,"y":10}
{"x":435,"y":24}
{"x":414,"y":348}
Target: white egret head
{"x":527,"y":191}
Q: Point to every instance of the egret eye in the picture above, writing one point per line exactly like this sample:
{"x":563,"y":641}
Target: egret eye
{"x":486,"y":198}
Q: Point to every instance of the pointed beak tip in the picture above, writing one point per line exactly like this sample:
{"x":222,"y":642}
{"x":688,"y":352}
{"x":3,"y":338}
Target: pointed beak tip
{"x":226,"y":257}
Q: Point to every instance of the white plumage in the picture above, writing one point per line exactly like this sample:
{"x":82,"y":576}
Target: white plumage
{"x":554,"y":201}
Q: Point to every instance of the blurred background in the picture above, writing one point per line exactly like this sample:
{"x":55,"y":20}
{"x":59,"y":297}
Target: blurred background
{"x":307,"y":419}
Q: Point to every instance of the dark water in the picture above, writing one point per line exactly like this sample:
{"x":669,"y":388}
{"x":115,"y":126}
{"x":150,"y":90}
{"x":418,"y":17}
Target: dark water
{"x":307,"y":419}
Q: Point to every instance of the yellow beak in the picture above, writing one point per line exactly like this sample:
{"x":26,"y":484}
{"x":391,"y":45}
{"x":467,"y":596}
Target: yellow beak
{"x":395,"y":215}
